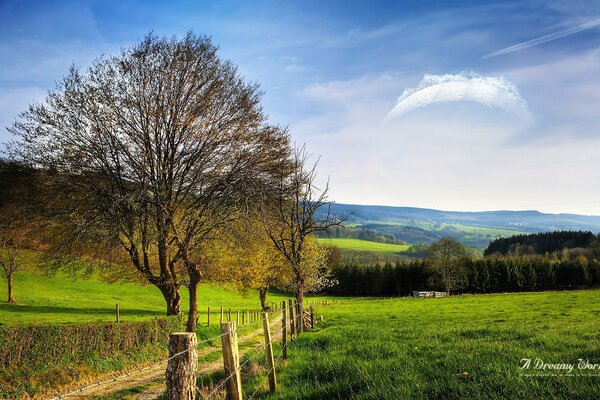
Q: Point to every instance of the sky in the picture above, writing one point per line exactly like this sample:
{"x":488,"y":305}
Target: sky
{"x":462,"y":105}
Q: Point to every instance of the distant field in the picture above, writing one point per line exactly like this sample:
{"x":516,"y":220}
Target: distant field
{"x":365,"y":245}
{"x":464,"y":347}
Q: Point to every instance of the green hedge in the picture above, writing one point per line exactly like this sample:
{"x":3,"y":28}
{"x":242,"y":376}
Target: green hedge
{"x":34,"y":357}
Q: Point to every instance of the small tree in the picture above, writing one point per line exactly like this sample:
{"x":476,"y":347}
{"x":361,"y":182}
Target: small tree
{"x":447,"y":257}
{"x":295,"y":214}
{"x":244,"y":257}
{"x":12,"y":259}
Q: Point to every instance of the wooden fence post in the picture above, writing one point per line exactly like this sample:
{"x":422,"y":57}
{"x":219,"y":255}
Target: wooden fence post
{"x":231,"y":361}
{"x":312,"y":317}
{"x":270,"y":358}
{"x":117,"y":312}
{"x":247,"y":316}
{"x":181,"y":368}
{"x":300,"y":314}
{"x":229,"y":315}
{"x":283,"y":331}
{"x":221,"y":319}
{"x":237,"y":317}
{"x":292,"y":313}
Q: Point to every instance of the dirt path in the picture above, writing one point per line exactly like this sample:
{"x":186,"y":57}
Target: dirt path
{"x":152,"y":378}
{"x":155,"y":390}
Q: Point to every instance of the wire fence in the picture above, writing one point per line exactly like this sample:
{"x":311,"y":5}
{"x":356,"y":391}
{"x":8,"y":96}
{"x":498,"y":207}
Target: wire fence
{"x":290,"y":326}
{"x":289,"y":320}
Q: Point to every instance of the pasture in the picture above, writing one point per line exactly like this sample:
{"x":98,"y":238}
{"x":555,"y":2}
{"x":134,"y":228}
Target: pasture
{"x":62,"y":299}
{"x":464,"y":347}
{"x":364,"y":245}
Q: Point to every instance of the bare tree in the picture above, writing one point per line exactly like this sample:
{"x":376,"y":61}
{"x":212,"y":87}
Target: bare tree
{"x":148,"y":151}
{"x":447,"y":256}
{"x":12,"y":255}
{"x":10,"y":262}
{"x":297,"y":213}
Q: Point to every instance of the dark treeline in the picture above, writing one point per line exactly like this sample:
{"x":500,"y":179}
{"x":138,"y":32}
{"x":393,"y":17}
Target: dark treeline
{"x":17,"y":183}
{"x":487,"y":275}
{"x":540,"y":243}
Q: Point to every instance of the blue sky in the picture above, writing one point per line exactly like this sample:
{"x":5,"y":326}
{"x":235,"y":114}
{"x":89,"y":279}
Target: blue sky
{"x":508,"y":117}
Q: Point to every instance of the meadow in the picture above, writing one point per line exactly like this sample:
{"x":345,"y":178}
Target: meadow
{"x":364,"y":245}
{"x":62,"y":299}
{"x":464,"y":347}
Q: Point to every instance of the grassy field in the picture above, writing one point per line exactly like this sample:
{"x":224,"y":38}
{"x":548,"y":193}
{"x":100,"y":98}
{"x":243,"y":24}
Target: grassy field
{"x":466,"y":347}
{"x":61,"y":299}
{"x":365,"y":245}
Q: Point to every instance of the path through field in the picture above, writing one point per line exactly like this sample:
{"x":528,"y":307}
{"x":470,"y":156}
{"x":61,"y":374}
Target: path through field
{"x":152,"y":379}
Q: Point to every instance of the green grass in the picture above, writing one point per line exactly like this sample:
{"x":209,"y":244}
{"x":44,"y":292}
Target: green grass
{"x":365,"y":245}
{"x":465,"y":347}
{"x":61,"y":299}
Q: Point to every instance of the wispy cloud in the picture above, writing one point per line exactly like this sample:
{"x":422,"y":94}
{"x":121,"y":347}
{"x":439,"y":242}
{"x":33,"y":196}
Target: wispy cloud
{"x":546,"y":38}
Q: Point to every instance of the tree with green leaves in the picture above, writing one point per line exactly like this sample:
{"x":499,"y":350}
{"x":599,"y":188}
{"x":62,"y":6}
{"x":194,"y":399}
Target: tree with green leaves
{"x":447,"y":257}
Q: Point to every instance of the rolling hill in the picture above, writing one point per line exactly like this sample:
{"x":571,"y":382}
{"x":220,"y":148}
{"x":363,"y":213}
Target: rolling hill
{"x":421,"y":225}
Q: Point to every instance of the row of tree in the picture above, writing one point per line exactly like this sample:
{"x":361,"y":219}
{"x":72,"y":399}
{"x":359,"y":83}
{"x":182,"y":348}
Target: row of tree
{"x":484,"y":275}
{"x":540,"y":243}
{"x":161,"y":160}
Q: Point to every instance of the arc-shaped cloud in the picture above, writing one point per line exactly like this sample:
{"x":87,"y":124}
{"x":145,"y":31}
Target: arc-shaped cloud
{"x":494,"y":92}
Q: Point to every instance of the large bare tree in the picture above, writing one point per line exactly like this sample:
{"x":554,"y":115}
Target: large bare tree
{"x":293,"y":217}
{"x":150,"y":150}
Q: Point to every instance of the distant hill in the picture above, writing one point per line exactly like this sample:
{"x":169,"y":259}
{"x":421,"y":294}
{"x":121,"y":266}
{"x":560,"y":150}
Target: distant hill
{"x":422,"y":225}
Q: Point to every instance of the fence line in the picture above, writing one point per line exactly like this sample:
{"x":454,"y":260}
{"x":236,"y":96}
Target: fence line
{"x":279,"y":312}
{"x":307,"y":321}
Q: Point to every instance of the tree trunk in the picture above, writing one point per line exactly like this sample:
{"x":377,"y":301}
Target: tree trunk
{"x":262,"y":293}
{"x":193,"y":311}
{"x":9,"y":278}
{"x":170,"y":292}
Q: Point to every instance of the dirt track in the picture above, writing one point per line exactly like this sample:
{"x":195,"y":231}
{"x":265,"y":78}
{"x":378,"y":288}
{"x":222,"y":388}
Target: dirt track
{"x":153,"y":377}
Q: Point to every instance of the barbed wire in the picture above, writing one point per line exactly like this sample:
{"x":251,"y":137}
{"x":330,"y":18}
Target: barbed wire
{"x":239,"y":368}
{"x":157,"y":363}
{"x":140,"y":370}
{"x":269,"y":371}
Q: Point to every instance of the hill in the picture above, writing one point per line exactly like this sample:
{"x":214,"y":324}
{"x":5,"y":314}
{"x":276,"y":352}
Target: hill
{"x":422,"y":225}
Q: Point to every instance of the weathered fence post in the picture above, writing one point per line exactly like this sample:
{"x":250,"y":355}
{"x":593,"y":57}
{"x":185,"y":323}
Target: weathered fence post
{"x":283,"y":331}
{"x":231,"y":361}
{"x":221,"y":320}
{"x":208,"y":316}
{"x":270,"y":358}
{"x":181,"y":368}
{"x":292,"y":313}
{"x":229,"y":315}
{"x":247,"y":316}
{"x":237,"y":317}
{"x":117,"y":313}
{"x":312,"y":317}
{"x":300,"y":314}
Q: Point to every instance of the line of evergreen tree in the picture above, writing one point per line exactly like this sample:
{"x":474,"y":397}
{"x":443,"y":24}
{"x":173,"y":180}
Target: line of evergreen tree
{"x":487,"y":275}
{"x":540,"y":243}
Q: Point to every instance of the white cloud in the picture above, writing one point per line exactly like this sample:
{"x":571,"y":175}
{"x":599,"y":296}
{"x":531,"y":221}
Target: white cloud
{"x":494,"y":92}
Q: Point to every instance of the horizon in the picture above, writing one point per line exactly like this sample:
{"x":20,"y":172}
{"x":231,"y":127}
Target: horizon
{"x":466,"y":106}
{"x":465,"y":210}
